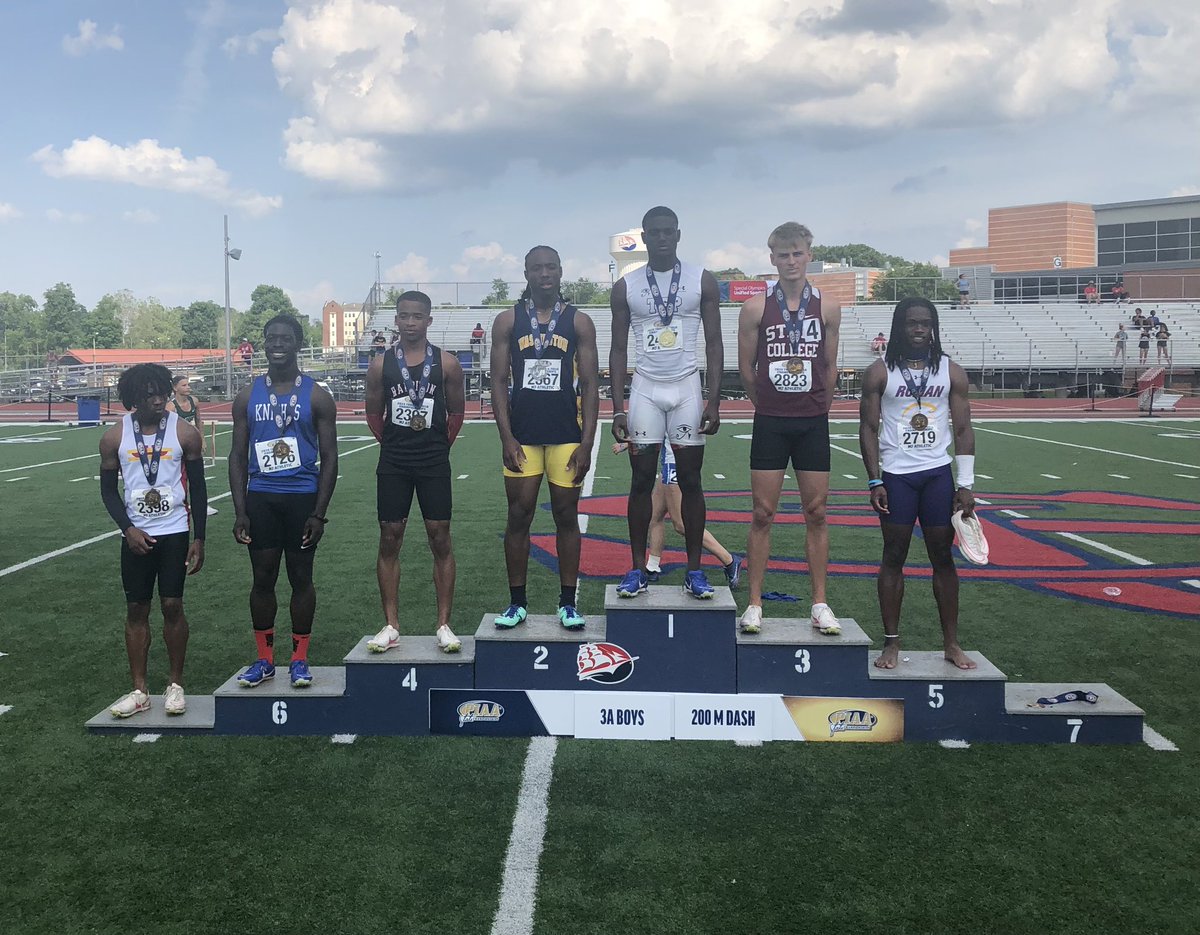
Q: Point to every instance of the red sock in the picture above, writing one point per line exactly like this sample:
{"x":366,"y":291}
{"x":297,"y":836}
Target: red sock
{"x":300,"y":646}
{"x":265,"y":641}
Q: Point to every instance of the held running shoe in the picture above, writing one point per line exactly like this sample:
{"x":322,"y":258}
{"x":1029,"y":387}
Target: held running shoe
{"x":447,"y":641}
{"x":385,"y":639}
{"x":695,"y":584}
{"x":633,"y":584}
{"x":510,"y":618}
{"x":733,"y":571}
{"x":299,"y":673}
{"x":173,"y":700}
{"x":570,"y":618}
{"x":259,"y":671}
{"x":134,"y":703}
{"x":751,"y":621}
{"x":825,"y":621}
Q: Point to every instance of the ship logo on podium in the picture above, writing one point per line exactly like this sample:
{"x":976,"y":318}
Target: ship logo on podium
{"x":606,"y":663}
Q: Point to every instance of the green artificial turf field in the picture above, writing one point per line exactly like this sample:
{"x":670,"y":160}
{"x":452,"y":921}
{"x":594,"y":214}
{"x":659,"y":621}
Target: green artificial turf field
{"x":220,"y":834}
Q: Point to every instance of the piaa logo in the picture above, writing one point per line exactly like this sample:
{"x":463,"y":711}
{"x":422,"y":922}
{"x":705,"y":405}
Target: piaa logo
{"x":851,"y":719}
{"x":606,"y":663}
{"x":471,"y":711}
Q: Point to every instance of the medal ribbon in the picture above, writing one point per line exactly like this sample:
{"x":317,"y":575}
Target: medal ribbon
{"x":1077,"y":695}
{"x":795,"y":327}
{"x":417,"y":389}
{"x":665,"y":310}
{"x":150,"y":464}
{"x":540,"y":343}
{"x":913,"y":388}
{"x":284,"y":415}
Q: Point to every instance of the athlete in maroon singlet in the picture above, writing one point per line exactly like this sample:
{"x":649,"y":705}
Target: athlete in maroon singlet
{"x":788,"y":367}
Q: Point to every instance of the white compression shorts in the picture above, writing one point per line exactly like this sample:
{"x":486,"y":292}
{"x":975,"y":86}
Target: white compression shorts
{"x":668,"y":412}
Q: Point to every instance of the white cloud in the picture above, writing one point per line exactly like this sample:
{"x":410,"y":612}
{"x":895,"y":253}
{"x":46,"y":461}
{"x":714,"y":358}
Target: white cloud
{"x":140,"y":216}
{"x":9,"y":212}
{"x":939,"y":260}
{"x":1184,"y":190}
{"x":249,"y":44}
{"x":312,"y":300}
{"x":71,"y":217}
{"x":750,"y":260}
{"x":149,"y":165}
{"x":90,"y":37}
{"x":389,"y":88}
{"x":484,"y":262}
{"x":412,"y":268}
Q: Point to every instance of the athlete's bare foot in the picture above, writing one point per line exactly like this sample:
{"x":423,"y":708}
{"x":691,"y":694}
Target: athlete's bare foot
{"x":955,"y":654}
{"x":890,"y":655}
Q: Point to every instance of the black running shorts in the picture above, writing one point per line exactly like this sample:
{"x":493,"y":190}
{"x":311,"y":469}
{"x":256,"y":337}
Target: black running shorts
{"x":166,"y":563}
{"x":277,"y":519}
{"x":394,"y":493}
{"x":802,"y":440}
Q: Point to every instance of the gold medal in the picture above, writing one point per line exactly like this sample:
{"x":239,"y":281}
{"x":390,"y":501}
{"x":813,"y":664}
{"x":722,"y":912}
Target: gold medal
{"x":919,"y":421}
{"x":152,"y":498}
{"x":417,"y":423}
{"x":666,"y":338}
{"x":795,"y":365}
{"x":281,"y":450}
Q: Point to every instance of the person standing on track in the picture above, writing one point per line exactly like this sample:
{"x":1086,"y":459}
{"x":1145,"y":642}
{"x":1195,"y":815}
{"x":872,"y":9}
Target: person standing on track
{"x":787,"y":358}
{"x":918,"y":392}
{"x":664,"y":303}
{"x":415,"y":406}
{"x":547,"y":428}
{"x":184,"y":404}
{"x":156,"y":454}
{"x":283,"y":424}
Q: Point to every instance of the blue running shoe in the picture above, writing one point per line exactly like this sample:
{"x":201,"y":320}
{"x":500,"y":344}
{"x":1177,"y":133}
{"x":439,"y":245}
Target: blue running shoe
{"x":652,"y":576}
{"x":258,"y":672}
{"x":570,"y":617}
{"x":511,"y":617}
{"x":733,"y":571}
{"x":633,"y":584}
{"x":301,"y":676}
{"x":695,"y":584}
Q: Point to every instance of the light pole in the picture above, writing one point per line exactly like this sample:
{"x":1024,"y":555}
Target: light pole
{"x":378,"y":276}
{"x":234,"y":254}
{"x":95,"y":379}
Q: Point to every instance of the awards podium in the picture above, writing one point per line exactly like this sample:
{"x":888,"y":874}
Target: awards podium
{"x":660,"y":666}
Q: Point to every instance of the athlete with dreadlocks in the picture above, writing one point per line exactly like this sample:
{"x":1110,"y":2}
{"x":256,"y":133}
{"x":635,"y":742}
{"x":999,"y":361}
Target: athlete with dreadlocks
{"x":547,"y":426}
{"x":918,"y":392}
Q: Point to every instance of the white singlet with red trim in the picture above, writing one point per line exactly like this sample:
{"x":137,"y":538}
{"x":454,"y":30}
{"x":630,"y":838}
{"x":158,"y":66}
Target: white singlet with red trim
{"x":157,"y":510}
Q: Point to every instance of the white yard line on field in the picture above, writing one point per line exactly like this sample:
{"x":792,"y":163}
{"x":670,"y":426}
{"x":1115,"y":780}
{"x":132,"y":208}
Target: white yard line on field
{"x":1107,"y":451}
{"x":1105,"y":548}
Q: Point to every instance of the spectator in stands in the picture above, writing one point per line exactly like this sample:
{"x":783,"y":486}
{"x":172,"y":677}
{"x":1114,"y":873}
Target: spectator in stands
{"x":1143,"y":344}
{"x":379,"y":342}
{"x":477,"y":340}
{"x":1090,"y":294}
{"x":1138,"y":318}
{"x":878,"y":345}
{"x":963,"y":285}
{"x":246,"y":351}
{"x":1160,"y":339}
{"x":1152,"y":320}
{"x":1121,"y":337}
{"x":1119,"y":292}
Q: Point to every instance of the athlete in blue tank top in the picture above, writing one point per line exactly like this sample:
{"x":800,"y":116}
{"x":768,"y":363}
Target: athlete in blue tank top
{"x":283,"y":425}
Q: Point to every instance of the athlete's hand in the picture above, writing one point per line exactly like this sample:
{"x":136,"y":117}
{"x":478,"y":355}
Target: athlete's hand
{"x":620,"y":427}
{"x":619,"y":448}
{"x":195,"y":556}
{"x":140,"y":543}
{"x":879,"y":499}
{"x":314,"y":529}
{"x":710,"y":422}
{"x":514,"y":455}
{"x":964,"y":499}
{"x":241,"y":529}
{"x":580,"y":462}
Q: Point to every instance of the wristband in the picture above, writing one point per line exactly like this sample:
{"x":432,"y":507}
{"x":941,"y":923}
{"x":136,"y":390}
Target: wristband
{"x":320,"y":519}
{"x":964,"y":469}
{"x":873,"y":483}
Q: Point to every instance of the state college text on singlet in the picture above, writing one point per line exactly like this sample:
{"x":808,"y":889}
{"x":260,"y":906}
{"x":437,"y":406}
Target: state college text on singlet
{"x":545,"y":391}
{"x":652,"y":358}
{"x":792,"y":381}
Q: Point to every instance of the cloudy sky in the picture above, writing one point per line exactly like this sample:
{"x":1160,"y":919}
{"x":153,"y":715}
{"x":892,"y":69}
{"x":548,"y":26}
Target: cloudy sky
{"x":452,"y":135}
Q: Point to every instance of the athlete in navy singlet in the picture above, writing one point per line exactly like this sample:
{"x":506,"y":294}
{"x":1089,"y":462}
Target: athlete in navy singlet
{"x":283,"y":425}
{"x":917,"y":392}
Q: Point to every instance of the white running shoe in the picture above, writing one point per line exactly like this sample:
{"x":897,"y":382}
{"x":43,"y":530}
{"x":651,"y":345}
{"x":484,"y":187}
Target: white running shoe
{"x":447,"y":641}
{"x":385,"y":639}
{"x":751,"y":621}
{"x":173,"y":700}
{"x":972,"y":543}
{"x":825,"y":620}
{"x":134,"y":703}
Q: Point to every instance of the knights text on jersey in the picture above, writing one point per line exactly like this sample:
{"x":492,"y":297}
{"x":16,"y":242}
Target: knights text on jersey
{"x":283,"y":438}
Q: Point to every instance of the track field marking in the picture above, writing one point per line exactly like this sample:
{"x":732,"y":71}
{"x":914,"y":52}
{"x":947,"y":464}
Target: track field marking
{"x":1188,"y":476}
{"x":749,"y":742}
{"x":5,"y":708}
{"x":1107,"y":451}
{"x":719,"y":476}
{"x":463,"y":476}
{"x":984,"y":502}
{"x":985,"y":476}
{"x":954,"y":744}
{"x":343,"y":738}
{"x":94,"y":456}
{"x":1120,"y":476}
{"x":847,"y":451}
{"x":850,"y":477}
{"x":3,"y":655}
{"x":1194,"y":582}
{"x":76,"y":480}
{"x":589,"y":483}
{"x":1014,"y":514}
{"x":1156,"y":741}
{"x":518,"y":889}
{"x":146,"y":738}
{"x":1052,"y":476}
{"x":1105,"y":548}
{"x":13,"y":480}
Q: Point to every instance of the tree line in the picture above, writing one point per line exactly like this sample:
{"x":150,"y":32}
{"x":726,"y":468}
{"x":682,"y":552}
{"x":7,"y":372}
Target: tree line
{"x":120,"y":319}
